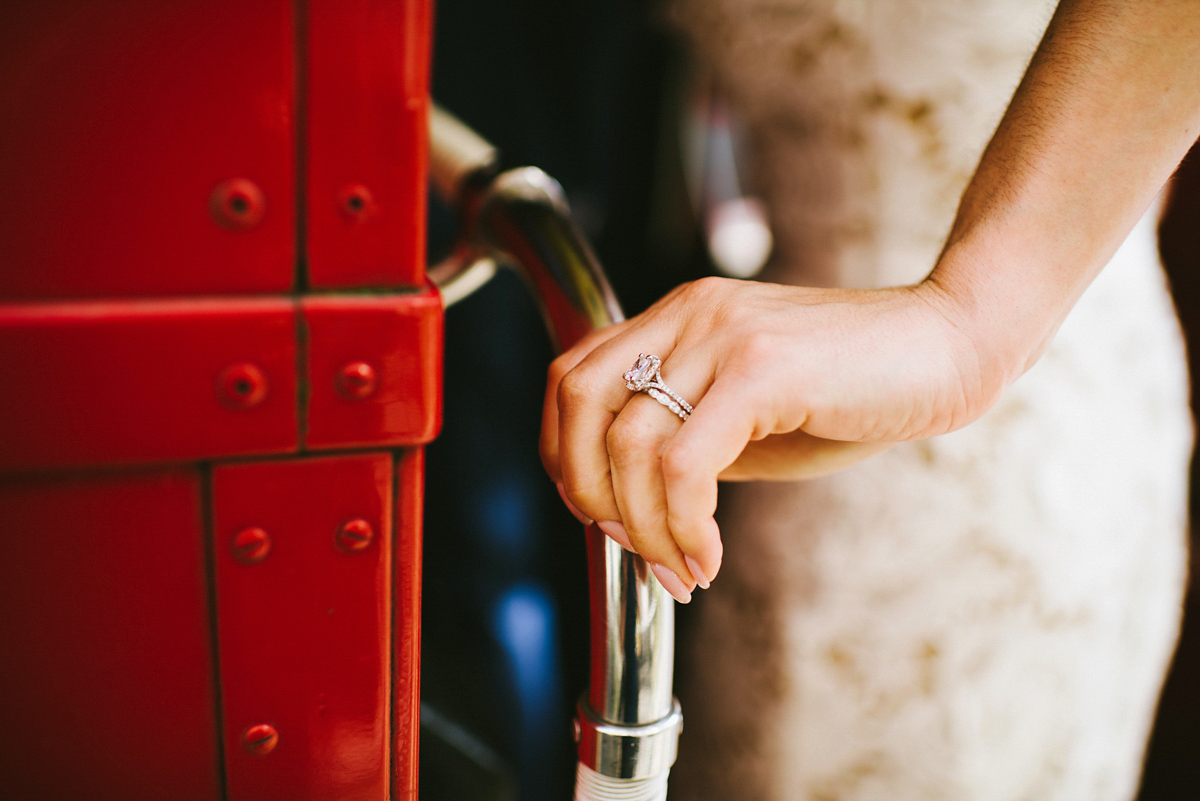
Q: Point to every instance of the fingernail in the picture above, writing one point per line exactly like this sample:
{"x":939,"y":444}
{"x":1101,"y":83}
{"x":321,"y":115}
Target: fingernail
{"x":671,"y":583}
{"x":580,"y":516}
{"x":697,"y":572}
{"x":617,"y":532}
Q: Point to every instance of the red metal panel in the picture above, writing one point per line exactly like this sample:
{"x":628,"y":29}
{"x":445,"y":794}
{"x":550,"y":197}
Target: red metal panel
{"x":367,"y":98}
{"x":406,"y":625}
{"x":142,"y":381}
{"x":106,"y":675}
{"x":374,"y":369}
{"x":303,"y":629}
{"x":119,"y":123}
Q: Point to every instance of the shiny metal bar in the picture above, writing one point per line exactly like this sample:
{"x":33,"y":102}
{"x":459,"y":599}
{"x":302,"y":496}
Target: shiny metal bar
{"x":633,"y":626}
{"x":629,"y":721}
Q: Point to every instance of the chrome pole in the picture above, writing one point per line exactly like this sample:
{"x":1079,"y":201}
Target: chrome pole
{"x":628,"y":722}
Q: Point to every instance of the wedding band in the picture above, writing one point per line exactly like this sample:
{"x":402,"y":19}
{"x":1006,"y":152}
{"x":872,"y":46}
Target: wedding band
{"x":645,"y":376}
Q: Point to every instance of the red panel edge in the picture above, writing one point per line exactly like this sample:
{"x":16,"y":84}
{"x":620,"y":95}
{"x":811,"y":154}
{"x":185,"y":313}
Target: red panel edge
{"x":128,"y":382}
{"x":376,"y":328}
{"x":406,"y":623}
{"x":417,"y":80}
{"x":366,"y":135}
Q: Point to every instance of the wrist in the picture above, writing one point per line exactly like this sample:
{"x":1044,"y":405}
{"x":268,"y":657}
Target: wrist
{"x":1000,"y":327}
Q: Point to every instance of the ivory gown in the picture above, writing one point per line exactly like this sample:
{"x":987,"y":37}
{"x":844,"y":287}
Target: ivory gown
{"x":984,"y":615}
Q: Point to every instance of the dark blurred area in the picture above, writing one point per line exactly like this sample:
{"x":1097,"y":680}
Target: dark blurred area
{"x":590,"y":91}
{"x":583,"y":90}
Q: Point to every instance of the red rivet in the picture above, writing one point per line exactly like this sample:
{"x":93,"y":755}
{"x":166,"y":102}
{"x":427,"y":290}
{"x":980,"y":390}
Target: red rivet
{"x":261,"y":739}
{"x":357,"y":380}
{"x":356,"y":202}
{"x":237,"y":204}
{"x":355,"y":535}
{"x":242,"y":385}
{"x":251,"y":545}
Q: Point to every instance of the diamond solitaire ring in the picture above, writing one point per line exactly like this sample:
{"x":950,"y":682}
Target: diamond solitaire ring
{"x":644,"y":376}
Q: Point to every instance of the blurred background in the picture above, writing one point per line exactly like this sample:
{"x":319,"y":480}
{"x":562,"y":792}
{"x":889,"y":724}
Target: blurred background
{"x":587,"y":91}
{"x":599,"y":94}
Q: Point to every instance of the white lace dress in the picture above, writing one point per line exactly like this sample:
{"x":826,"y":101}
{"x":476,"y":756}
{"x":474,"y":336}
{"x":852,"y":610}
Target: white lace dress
{"x":984,"y":615}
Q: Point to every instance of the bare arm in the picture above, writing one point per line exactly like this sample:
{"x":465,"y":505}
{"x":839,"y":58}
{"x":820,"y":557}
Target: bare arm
{"x":1109,"y":106}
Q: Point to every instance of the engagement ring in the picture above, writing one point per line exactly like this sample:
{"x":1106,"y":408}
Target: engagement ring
{"x":645,"y":376}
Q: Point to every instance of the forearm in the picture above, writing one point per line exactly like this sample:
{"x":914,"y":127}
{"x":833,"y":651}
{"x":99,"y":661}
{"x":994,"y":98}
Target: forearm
{"x":1108,"y":107}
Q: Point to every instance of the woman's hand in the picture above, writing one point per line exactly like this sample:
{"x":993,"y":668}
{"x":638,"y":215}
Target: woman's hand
{"x":787,"y":382}
{"x":791,"y":382}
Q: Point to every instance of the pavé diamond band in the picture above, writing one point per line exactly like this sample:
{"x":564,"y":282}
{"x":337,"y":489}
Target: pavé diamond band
{"x":645,"y":376}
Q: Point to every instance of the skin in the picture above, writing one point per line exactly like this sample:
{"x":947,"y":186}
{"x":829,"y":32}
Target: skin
{"x":796,"y":382}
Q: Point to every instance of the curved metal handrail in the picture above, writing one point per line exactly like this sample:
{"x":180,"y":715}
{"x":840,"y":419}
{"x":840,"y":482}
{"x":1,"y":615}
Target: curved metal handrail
{"x":629,"y":721}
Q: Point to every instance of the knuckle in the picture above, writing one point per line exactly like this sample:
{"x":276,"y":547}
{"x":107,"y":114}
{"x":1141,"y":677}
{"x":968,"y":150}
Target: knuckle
{"x":576,"y":495}
{"x":682,"y":526}
{"x":626,"y":437}
{"x":759,"y":346}
{"x":677,"y":462}
{"x":708,"y":286}
{"x":573,"y":389}
{"x":587,"y":496}
{"x":708,"y":301}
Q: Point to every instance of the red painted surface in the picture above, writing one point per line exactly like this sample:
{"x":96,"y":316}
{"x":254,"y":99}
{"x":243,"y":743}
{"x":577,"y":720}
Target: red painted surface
{"x":106,"y":383}
{"x":152,"y":312}
{"x":366,"y":104}
{"x":406,"y":634}
{"x":118,"y":120}
{"x":106,"y":676}
{"x":398,"y":338}
{"x":303,"y":635}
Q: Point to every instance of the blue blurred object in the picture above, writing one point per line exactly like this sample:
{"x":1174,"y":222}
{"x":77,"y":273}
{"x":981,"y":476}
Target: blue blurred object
{"x":524,"y":623}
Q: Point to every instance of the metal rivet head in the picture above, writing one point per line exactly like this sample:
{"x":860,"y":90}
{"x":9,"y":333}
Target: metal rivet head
{"x":237,"y":204}
{"x":251,"y":545}
{"x":260,"y":739}
{"x":242,"y":385}
{"x":355,"y":535}
{"x":356,"y":202}
{"x":357,"y":380}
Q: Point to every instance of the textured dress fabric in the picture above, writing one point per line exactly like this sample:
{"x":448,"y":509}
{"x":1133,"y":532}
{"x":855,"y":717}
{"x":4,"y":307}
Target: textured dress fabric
{"x":986,"y":615}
